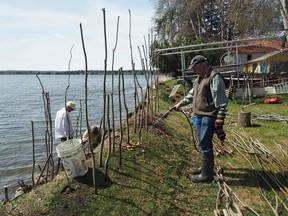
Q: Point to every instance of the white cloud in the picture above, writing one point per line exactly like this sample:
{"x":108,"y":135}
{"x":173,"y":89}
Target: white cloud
{"x":40,"y":39}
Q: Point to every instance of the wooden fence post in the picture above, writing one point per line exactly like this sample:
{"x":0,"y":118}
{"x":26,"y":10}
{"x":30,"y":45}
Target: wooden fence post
{"x":6,"y":199}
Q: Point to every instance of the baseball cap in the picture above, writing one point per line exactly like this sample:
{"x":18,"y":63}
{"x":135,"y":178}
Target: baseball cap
{"x":196,"y":60}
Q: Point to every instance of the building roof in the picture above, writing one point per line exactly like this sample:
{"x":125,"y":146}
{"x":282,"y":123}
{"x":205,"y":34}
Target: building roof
{"x":261,"y":46}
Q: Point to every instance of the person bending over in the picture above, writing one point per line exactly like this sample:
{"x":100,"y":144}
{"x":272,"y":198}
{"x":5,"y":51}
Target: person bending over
{"x":63,"y":124}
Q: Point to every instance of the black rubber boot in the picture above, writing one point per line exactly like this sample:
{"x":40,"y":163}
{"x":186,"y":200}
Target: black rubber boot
{"x":207,"y":167}
{"x":196,"y":171}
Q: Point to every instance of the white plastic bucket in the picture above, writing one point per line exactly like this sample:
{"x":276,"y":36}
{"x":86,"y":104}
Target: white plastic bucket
{"x":72,"y":157}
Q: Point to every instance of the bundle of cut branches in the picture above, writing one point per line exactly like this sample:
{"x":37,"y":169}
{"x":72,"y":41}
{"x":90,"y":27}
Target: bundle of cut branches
{"x":271,"y":117}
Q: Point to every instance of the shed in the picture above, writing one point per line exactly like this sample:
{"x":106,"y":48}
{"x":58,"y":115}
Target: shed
{"x":274,"y":63}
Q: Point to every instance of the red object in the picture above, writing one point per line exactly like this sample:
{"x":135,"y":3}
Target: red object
{"x":273,"y":100}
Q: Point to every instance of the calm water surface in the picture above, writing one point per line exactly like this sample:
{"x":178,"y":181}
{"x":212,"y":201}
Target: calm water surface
{"x":21,"y":102}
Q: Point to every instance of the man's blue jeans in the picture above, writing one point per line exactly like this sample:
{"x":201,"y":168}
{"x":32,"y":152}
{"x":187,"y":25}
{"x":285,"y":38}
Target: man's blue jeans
{"x":205,"y":128}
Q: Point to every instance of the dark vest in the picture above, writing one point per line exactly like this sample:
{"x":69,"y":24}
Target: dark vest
{"x":203,"y":103}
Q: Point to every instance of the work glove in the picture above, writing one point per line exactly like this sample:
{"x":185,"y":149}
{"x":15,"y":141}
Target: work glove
{"x":176,"y":107}
{"x":219,"y":129}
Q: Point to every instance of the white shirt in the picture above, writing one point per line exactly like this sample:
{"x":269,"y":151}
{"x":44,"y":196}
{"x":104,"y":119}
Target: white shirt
{"x":63,"y":124}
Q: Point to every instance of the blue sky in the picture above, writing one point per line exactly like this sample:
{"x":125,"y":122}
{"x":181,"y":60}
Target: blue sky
{"x":38,"y":34}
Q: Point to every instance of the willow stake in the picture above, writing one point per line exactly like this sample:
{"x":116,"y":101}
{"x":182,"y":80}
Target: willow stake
{"x":112,"y":90}
{"x":109,"y":138}
{"x":104,"y":93}
{"x":126,"y":108}
{"x":86,"y":109}
{"x":120,"y":117}
{"x":33,"y":153}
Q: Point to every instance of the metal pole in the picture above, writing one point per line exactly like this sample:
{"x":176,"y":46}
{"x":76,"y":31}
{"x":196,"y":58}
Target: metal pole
{"x":209,"y":49}
{"x":183,"y":70}
{"x":213,"y":43}
{"x":237,"y":68}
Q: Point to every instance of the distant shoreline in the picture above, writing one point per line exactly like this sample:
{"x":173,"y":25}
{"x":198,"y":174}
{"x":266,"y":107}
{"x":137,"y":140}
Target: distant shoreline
{"x":77,"y":72}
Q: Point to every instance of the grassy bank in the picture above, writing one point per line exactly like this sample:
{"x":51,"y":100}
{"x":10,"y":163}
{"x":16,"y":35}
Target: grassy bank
{"x":154,"y":176}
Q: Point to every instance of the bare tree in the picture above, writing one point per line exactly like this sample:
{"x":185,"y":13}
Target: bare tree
{"x":284,"y":12}
{"x":180,"y":20}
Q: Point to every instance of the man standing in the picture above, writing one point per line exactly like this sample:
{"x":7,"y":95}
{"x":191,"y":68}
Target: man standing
{"x":63,"y":124}
{"x":209,"y":104}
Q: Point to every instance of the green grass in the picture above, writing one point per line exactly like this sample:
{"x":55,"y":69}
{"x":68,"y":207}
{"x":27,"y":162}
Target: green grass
{"x":266,"y":131}
{"x":154,"y":177}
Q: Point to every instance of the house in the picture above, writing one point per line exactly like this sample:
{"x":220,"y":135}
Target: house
{"x":239,"y":52}
{"x":264,"y":60}
{"x":264,"y":64}
{"x":252,"y":49}
{"x":243,"y":57}
{"x":274,"y":63}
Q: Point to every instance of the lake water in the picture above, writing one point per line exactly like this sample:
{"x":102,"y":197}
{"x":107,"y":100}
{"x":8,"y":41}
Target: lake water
{"x":21,"y":102}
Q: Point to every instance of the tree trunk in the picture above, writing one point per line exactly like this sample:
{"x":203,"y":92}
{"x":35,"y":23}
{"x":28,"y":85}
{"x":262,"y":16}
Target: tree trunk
{"x":284,"y":13}
{"x":244,"y":119}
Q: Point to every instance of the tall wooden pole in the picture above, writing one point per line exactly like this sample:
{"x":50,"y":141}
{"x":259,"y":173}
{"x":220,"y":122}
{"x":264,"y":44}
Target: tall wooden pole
{"x":120,"y":116}
{"x":112,"y":90}
{"x":104,"y":94}
{"x":86,"y":109}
